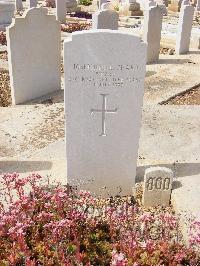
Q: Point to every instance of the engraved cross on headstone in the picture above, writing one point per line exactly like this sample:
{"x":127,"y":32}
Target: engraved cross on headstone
{"x":104,"y":111}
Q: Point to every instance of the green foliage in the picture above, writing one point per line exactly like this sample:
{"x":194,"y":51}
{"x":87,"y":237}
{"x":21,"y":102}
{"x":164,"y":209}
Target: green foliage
{"x":85,"y":2}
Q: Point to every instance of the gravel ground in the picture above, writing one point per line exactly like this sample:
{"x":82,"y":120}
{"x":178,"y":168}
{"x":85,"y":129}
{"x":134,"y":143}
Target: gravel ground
{"x":5,"y":93}
{"x":191,"y":97}
{"x":4,"y":55}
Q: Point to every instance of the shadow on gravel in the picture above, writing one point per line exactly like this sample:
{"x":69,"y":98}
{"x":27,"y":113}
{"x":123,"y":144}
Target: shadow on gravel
{"x":172,"y":61}
{"x":24,"y":166}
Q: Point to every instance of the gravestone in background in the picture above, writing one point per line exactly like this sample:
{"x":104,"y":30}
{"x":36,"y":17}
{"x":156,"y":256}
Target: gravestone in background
{"x":71,"y":6}
{"x":34,"y":55}
{"x":6,"y":14}
{"x":152,"y":32}
{"x":100,"y":2}
{"x":198,"y":6}
{"x":105,"y":19}
{"x":184,"y":27}
{"x":157,"y":186}
{"x":32,"y":3}
{"x":130,"y":8}
{"x":107,"y":6}
{"x":175,"y":5}
{"x":61,"y":10}
{"x":104,"y":85}
{"x":18,"y":5}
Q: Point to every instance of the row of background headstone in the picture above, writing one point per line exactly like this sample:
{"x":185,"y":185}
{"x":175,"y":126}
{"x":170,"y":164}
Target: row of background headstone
{"x":43,"y":76}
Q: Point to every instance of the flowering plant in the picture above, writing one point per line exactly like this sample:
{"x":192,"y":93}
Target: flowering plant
{"x":53,"y":225}
{"x":50,"y":3}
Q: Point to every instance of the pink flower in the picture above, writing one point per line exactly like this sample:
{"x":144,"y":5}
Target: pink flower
{"x":118,"y":259}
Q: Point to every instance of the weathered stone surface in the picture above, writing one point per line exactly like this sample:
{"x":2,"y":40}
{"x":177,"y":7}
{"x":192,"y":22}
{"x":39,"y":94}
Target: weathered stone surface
{"x":198,"y":5}
{"x":184,"y":28}
{"x":36,"y":71}
{"x":6,"y":14}
{"x":103,"y":99}
{"x":107,"y":6}
{"x":157,"y":186}
{"x":101,"y":2}
{"x":152,"y":32}
{"x":61,"y":10}
{"x":130,"y":8}
{"x":18,"y":5}
{"x":32,"y":3}
{"x":105,"y":19}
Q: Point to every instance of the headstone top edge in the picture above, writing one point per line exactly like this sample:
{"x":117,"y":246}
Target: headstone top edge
{"x":158,"y":169}
{"x":106,"y":11}
{"x":106,"y":31}
{"x":29,"y":12}
{"x":33,"y":9}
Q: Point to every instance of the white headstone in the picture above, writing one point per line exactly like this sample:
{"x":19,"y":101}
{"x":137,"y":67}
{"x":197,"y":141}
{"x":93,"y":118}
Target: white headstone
{"x":152,"y":32}
{"x":184,"y":28}
{"x":32,"y":3}
{"x":6,"y":14}
{"x":71,"y":6}
{"x":35,"y":71}
{"x":104,"y":85}
{"x":161,"y":4}
{"x":198,"y":5}
{"x":61,"y":10}
{"x":151,"y":3}
{"x":107,"y":6}
{"x":157,"y":186}
{"x":101,"y":2}
{"x":18,"y":5}
{"x":105,"y":19}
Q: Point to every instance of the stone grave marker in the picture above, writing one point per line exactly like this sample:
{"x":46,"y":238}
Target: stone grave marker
{"x":107,"y":6}
{"x":32,"y":3}
{"x":105,"y":19}
{"x":104,"y":85}
{"x":184,"y":27}
{"x":100,"y":2}
{"x":35,"y":71}
{"x":6,"y":14}
{"x":151,"y":3}
{"x":157,"y":186}
{"x":18,"y":5}
{"x":130,"y":8}
{"x":71,"y":6}
{"x":61,"y":10}
{"x":152,"y":32}
{"x":161,"y":4}
{"x":198,"y":6}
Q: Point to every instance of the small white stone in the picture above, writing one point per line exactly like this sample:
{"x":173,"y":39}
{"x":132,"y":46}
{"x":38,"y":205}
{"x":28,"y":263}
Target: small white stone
{"x":157,"y":186}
